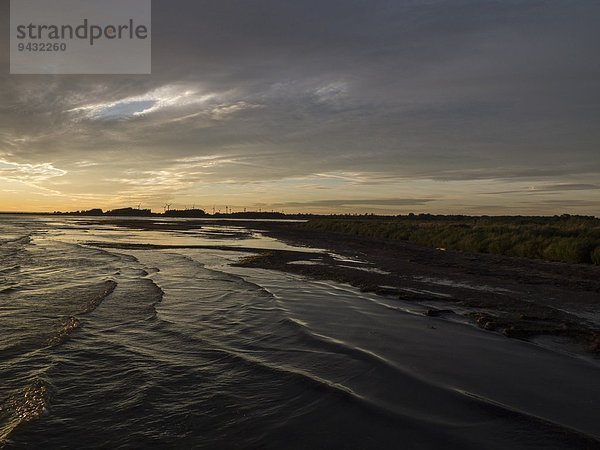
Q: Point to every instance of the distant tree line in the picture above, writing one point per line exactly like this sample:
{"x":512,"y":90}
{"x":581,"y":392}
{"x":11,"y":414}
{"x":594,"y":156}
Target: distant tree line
{"x":130,"y":212}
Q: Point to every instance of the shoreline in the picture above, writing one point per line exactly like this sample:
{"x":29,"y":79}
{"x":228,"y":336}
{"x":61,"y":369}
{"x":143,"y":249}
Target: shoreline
{"x":517,"y":297}
{"x":181,"y":315}
{"x":533,"y":300}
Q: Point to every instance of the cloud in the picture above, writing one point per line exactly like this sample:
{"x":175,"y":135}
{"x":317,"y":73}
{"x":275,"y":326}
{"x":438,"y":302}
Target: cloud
{"x":164,"y":97}
{"x":222,"y":112}
{"x":550,"y":188}
{"x":29,"y":172}
{"x":355,"y":97}
{"x":570,"y":203}
{"x":359,"y":202}
{"x":85,"y":163}
{"x":567,"y":187}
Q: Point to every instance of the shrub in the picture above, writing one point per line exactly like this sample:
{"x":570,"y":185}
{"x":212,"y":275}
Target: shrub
{"x":574,"y":239}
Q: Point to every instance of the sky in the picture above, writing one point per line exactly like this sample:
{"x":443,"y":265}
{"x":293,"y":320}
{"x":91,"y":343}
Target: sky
{"x":345,"y":106}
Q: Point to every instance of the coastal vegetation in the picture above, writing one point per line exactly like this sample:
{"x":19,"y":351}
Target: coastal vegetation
{"x":572,"y":239}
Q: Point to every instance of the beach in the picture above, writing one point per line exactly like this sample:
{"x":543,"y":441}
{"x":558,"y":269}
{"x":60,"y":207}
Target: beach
{"x":124,"y":332}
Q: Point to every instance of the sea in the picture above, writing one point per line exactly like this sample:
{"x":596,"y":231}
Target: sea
{"x":107,"y":347}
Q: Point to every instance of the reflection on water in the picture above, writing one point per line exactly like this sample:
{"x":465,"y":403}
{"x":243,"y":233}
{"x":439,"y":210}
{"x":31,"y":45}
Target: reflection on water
{"x":176,"y":348}
{"x":78,"y":231}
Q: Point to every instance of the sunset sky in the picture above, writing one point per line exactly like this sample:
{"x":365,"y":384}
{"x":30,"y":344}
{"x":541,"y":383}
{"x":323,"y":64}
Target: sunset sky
{"x":463,"y":106}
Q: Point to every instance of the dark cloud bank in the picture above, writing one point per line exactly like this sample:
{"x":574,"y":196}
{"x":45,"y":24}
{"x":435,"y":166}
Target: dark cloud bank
{"x":298,"y":102}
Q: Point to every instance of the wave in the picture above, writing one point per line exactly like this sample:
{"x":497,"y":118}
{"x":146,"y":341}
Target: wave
{"x":10,"y":269}
{"x":485,"y":416}
{"x":442,"y":393}
{"x":9,"y":289}
{"x":94,"y":302}
{"x":423,"y":405}
{"x":26,"y":239}
{"x":64,"y":329}
{"x":30,"y":402}
{"x":23,"y":406}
